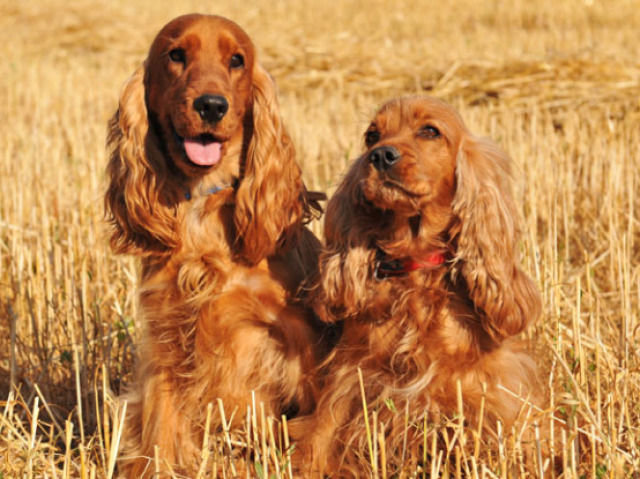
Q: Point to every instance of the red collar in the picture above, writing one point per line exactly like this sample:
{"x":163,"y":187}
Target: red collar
{"x":385,"y":267}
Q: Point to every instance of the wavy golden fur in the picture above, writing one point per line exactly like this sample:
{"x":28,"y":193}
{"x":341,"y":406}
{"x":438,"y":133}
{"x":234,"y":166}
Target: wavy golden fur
{"x":421,"y":263}
{"x":205,"y":190}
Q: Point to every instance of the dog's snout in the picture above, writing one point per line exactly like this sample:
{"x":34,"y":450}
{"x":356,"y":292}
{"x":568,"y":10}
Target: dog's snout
{"x":211,"y":108}
{"x":384,"y":157}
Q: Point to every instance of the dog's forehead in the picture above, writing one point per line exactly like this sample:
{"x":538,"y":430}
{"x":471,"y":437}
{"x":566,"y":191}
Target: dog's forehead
{"x":195,"y":30}
{"x":416,"y":111}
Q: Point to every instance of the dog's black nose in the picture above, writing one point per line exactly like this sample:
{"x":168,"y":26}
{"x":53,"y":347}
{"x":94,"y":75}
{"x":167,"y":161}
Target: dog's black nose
{"x":384,"y":157}
{"x":211,"y":108}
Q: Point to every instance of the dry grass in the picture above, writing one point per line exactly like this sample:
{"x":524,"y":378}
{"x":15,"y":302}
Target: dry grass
{"x":555,"y":82}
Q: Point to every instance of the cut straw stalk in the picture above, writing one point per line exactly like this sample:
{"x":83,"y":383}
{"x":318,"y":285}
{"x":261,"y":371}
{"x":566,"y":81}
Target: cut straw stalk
{"x":366,"y":419}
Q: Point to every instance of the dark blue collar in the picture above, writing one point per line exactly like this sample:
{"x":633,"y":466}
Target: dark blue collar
{"x":212,"y":190}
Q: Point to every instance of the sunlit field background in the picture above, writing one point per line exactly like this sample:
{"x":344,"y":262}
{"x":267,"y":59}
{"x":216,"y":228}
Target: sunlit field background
{"x":555,"y":82}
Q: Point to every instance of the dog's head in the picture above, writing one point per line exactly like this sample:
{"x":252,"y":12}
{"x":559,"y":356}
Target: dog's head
{"x":198,"y":87}
{"x":201,"y":114}
{"x":425,"y":182}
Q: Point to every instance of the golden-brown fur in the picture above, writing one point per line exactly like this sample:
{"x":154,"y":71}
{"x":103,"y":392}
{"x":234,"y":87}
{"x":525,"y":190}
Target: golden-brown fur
{"x":220,"y":237}
{"x":438,"y":191}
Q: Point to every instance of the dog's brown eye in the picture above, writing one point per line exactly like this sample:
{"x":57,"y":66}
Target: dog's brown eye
{"x":177,"y":55}
{"x":429,"y":132}
{"x":237,"y":61}
{"x":371,"y":137}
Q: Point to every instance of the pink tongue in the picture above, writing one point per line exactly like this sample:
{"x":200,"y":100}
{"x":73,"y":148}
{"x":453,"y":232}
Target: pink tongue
{"x":204,"y":154}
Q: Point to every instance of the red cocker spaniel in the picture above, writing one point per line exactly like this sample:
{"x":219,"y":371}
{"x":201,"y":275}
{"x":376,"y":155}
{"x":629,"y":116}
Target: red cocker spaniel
{"x":205,"y":190}
{"x":421,"y":263}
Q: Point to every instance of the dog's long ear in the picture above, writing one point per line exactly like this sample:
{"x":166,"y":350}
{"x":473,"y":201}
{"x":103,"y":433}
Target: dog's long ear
{"x":271,"y":199}
{"x":141,"y":222}
{"x":346,"y":262}
{"x":487,"y":240}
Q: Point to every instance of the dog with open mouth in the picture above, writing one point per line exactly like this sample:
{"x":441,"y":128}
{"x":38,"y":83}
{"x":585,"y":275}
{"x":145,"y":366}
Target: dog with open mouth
{"x":205,"y":190}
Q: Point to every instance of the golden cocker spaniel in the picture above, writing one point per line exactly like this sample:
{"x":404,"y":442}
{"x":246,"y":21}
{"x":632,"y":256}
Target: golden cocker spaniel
{"x":205,"y":190}
{"x":421,"y":263}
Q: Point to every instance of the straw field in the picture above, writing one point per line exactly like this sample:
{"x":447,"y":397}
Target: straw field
{"x":555,"y":82}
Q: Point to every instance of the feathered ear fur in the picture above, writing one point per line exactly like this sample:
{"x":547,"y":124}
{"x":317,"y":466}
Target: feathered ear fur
{"x":271,"y":198}
{"x":141,"y":223}
{"x":347,"y":259}
{"x":487,"y":240}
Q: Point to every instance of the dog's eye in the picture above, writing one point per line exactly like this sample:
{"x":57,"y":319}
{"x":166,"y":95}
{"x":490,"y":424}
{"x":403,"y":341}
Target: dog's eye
{"x":237,"y":61}
{"x":429,"y":132}
{"x":178,"y":55}
{"x":371,"y":137}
